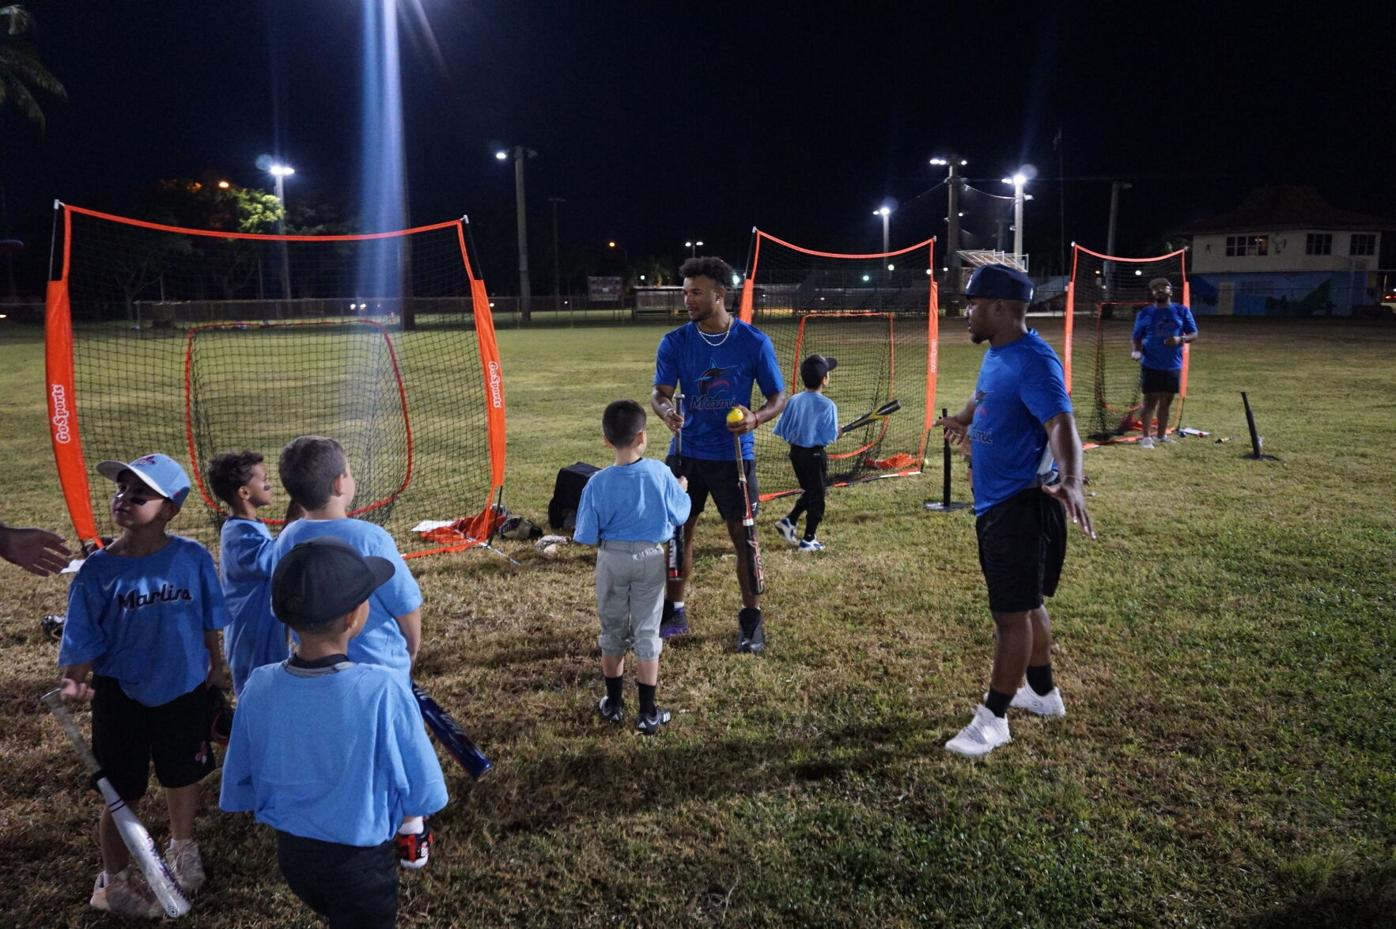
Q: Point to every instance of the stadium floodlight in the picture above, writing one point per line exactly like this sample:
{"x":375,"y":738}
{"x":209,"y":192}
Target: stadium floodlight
{"x":939,"y":162}
{"x":693,"y":245}
{"x":1017,"y":180}
{"x":885,"y":211}
{"x":502,"y":155}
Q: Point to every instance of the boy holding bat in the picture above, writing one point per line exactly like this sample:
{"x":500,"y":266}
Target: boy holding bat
{"x":628,"y":511}
{"x":143,"y":620}
{"x":809,"y":422}
{"x":329,"y":752}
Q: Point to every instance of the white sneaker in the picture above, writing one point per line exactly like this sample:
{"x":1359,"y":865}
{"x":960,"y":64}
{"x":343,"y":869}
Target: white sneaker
{"x":187,"y":866}
{"x":810,"y":545}
{"x":1048,"y":704}
{"x":1167,"y":440}
{"x":1146,"y":442}
{"x":125,"y":894}
{"x":984,"y":733}
{"x":787,"y":530}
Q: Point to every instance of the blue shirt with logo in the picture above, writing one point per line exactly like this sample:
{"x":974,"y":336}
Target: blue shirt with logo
{"x":715,"y":374}
{"x":1020,"y":387}
{"x":1155,"y":323}
{"x":381,"y":641}
{"x":637,"y":502}
{"x":141,"y":620}
{"x":336,"y":754}
{"x":255,"y":637}
{"x":809,"y":419}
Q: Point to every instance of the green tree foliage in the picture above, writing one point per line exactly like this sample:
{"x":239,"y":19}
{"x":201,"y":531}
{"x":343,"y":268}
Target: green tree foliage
{"x":196,"y":205}
{"x":21,"y":72}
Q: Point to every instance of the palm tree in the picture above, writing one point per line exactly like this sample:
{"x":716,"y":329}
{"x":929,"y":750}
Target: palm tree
{"x":20,"y":69}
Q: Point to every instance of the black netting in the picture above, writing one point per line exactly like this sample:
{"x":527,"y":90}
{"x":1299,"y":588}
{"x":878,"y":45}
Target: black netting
{"x":191,"y":346}
{"x":872,"y":313}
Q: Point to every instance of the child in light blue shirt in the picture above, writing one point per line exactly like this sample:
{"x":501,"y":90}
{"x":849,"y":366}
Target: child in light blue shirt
{"x":809,"y":422}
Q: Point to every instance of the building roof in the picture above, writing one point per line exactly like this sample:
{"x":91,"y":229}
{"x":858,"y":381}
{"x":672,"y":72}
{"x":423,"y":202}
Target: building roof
{"x":1277,"y":208}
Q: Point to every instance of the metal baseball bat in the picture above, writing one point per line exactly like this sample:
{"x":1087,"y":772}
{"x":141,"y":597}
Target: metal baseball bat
{"x":882,"y":412}
{"x":756,"y":574}
{"x":675,"y":565}
{"x":128,"y":826}
{"x":451,"y":735}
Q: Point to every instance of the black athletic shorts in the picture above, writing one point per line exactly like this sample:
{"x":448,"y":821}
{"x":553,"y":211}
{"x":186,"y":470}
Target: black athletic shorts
{"x":128,"y":735}
{"x":1022,"y":544}
{"x":349,"y":886}
{"x":1154,"y":381}
{"x":719,"y":478}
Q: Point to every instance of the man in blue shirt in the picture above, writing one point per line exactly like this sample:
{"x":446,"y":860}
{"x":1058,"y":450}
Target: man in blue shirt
{"x":1160,"y":332}
{"x":1027,"y":481}
{"x":716,"y":359}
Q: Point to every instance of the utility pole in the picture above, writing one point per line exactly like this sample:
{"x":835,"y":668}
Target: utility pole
{"x":1115,"y":188}
{"x":525,"y":298}
{"x":557,"y":276}
{"x":954,"y":184}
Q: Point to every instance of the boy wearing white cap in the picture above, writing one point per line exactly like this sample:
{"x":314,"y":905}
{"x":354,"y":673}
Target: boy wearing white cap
{"x":143,"y":620}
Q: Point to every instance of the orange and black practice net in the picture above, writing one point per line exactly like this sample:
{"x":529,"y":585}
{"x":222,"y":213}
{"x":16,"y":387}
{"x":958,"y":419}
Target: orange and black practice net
{"x":194,"y":342}
{"x":1103,"y":297}
{"x":875,"y":313}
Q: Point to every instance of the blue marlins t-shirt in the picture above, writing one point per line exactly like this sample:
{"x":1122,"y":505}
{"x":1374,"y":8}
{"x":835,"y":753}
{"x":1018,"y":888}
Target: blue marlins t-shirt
{"x":381,"y":641}
{"x":1020,"y":387}
{"x":809,"y":419}
{"x":255,"y":636}
{"x":714,"y":375}
{"x":1155,"y":323}
{"x":638,"y":502}
{"x":337,"y":754}
{"x":142,"y":620}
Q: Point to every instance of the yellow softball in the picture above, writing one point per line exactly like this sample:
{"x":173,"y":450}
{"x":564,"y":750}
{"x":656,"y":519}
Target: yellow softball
{"x":735,"y":416}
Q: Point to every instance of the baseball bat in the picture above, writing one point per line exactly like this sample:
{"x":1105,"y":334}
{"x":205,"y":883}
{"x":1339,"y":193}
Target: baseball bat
{"x":676,"y":543}
{"x":755,"y":573}
{"x":138,"y":841}
{"x":452,"y":737}
{"x":882,"y":412}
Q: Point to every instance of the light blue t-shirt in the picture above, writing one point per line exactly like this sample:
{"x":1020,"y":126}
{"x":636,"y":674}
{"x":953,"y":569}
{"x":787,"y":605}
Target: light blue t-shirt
{"x":638,"y":502}
{"x":142,"y":620}
{"x":255,"y":636}
{"x":809,"y":419}
{"x":1020,"y":387}
{"x":1155,"y":323}
{"x":381,"y":642}
{"x":715,"y":374}
{"x":336,"y":754}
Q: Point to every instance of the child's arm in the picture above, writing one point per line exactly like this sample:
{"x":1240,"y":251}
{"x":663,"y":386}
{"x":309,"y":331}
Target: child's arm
{"x":217,"y":668}
{"x":411,"y":626}
{"x":73,"y":681}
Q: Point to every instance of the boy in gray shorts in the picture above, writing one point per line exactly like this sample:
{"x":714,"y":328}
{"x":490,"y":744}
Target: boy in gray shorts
{"x":628,"y":511}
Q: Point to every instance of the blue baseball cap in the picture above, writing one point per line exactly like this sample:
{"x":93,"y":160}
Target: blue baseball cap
{"x":1000,"y":282}
{"x":160,"y":473}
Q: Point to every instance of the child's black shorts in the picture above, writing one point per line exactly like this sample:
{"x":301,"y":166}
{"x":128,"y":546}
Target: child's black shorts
{"x":1154,"y":381}
{"x":127,"y":736}
{"x":1022,"y":545}
{"x":346,"y":884}
{"x":719,"y":478}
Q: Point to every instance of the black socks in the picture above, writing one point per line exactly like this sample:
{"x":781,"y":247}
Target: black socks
{"x":998,"y":703}
{"x":647,"y":692}
{"x":615,"y":689}
{"x":1040,"y":679}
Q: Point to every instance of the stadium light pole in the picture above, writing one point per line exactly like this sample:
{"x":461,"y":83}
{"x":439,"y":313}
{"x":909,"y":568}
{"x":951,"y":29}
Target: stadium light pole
{"x":520,"y":153}
{"x":557,"y":276}
{"x":1017,"y":180}
{"x":952,"y":233}
{"x":280,"y":171}
{"x":693,"y":247}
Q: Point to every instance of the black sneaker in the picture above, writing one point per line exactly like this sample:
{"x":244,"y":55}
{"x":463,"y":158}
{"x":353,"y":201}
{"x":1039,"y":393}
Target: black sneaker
{"x":752,"y":636}
{"x":649,"y":725}
{"x":611,"y":712}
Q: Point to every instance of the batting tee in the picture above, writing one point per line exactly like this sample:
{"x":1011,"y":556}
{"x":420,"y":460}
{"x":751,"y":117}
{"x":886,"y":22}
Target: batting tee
{"x":193,"y":342}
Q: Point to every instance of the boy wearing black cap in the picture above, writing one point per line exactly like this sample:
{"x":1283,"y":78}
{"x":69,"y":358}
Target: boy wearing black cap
{"x":143,"y":620}
{"x":1027,"y":482}
{"x":809,"y":422}
{"x":331,"y":753}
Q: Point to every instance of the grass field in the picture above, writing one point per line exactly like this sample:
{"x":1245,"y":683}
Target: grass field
{"x":1226,"y":651}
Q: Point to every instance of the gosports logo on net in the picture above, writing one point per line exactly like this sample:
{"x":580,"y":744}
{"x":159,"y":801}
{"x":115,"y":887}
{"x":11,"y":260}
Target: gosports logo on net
{"x":59,"y":396}
{"x":496,"y":396}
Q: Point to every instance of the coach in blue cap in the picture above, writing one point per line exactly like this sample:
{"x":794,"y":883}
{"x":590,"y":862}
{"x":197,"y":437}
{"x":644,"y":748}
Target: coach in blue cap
{"x":1027,"y":464}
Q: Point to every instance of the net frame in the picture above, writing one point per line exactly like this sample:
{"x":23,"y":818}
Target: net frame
{"x":1100,"y":404}
{"x":747,"y":311}
{"x":62,"y":381}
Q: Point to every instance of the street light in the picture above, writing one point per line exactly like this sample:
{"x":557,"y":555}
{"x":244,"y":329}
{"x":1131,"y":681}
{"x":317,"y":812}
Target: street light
{"x":281,"y":171}
{"x":1017,"y":180}
{"x":520,"y":153}
{"x":693,"y":247}
{"x":885,"y":212}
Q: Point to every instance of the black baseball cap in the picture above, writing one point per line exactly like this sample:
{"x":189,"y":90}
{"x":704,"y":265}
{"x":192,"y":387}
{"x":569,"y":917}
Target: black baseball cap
{"x":1000,"y":282}
{"x":815,"y":367}
{"x":323,"y":579}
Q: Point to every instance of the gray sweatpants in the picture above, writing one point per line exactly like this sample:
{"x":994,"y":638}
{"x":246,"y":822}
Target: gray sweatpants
{"x":629,"y":598}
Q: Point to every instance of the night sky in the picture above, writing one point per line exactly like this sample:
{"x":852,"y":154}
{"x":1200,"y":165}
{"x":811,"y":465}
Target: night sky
{"x":660,"y":121}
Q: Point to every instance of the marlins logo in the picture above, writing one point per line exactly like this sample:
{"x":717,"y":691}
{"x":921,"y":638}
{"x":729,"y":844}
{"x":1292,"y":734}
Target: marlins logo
{"x":714,"y":380}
